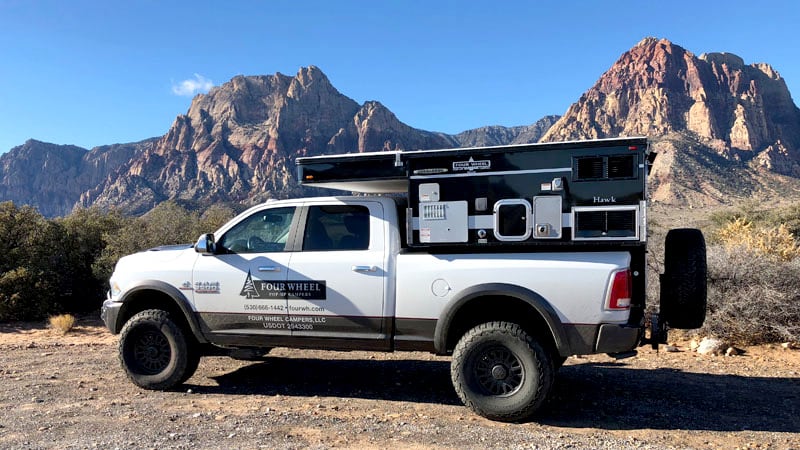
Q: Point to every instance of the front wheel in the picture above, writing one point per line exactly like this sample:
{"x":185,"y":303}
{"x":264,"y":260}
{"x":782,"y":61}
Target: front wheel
{"x":501,"y":372}
{"x":154,"y":352}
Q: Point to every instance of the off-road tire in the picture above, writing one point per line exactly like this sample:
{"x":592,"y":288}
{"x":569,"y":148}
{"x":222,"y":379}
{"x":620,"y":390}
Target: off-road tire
{"x":154,"y":351}
{"x":192,"y":362}
{"x":683,"y":283}
{"x":501,"y":372}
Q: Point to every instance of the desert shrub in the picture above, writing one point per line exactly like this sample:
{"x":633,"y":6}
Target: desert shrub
{"x":772,"y":241}
{"x":752,"y":299}
{"x":753,"y":292}
{"x":30,"y":263}
{"x":62,"y":323}
{"x":63,"y":265}
{"x":760,"y":217}
{"x":655,"y":266}
{"x":212,"y":218}
{"x":24,"y":295}
{"x":749,"y":210}
{"x":82,"y":243}
{"x":167,"y":224}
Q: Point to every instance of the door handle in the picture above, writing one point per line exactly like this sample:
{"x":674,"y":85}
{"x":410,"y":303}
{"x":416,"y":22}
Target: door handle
{"x":364,"y":269}
{"x":269,"y":269}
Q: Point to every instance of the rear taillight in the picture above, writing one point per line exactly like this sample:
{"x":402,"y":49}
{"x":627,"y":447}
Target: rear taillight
{"x":621,"y":289}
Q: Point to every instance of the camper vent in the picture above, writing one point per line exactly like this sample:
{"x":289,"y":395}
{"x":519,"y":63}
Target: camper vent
{"x":592,"y":168}
{"x":595,"y":223}
{"x":436,"y":211}
{"x":621,"y":166}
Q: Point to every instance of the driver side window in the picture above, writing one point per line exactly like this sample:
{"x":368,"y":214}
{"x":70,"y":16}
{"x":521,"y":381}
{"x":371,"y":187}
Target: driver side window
{"x":264,"y":231}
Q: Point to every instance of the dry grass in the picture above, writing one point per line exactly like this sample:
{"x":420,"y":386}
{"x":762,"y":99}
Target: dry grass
{"x":752,"y":299}
{"x":62,"y":323}
{"x":775,"y":242}
{"x":754,"y":268}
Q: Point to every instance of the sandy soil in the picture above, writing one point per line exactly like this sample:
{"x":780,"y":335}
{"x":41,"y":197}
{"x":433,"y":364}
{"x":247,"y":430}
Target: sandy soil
{"x":68,"y":391}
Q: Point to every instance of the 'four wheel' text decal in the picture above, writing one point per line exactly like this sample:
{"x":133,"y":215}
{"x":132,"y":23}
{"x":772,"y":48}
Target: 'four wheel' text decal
{"x":297,"y":289}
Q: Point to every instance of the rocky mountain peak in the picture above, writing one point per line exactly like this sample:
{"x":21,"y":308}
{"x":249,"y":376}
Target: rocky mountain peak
{"x":730,"y":60}
{"x":238,"y":143}
{"x":658,"y":87}
{"x":309,"y":76}
{"x":647,"y":42}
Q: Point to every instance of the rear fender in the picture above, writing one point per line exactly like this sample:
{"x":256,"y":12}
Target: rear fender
{"x":446,"y":320}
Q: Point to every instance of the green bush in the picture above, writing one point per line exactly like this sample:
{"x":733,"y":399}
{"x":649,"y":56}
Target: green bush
{"x":63,"y":265}
{"x":30,"y":263}
{"x":166,"y":224}
{"x":82,"y":242}
{"x":25,"y":295}
{"x":754,"y":213}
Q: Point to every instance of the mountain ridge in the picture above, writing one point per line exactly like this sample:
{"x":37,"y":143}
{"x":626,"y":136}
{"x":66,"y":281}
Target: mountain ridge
{"x":238,"y":142}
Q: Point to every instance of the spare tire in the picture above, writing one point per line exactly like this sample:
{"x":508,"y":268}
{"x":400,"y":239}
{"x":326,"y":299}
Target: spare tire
{"x":683,"y":283}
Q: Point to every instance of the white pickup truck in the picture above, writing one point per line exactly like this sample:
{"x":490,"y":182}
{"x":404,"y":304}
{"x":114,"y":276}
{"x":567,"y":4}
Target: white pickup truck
{"x":375,"y":273}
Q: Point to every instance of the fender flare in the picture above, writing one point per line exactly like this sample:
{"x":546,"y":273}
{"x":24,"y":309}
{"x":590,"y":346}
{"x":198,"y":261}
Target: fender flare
{"x":534,"y":300}
{"x":174,"y":293}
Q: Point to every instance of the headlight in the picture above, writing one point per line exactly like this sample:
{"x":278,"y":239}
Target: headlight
{"x":115,"y":289}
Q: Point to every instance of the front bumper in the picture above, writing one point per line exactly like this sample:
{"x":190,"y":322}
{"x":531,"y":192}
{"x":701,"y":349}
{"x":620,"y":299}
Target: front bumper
{"x":109,"y":313}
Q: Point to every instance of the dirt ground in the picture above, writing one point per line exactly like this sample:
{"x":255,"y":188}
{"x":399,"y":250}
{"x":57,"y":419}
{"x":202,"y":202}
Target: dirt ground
{"x":69,"y":392}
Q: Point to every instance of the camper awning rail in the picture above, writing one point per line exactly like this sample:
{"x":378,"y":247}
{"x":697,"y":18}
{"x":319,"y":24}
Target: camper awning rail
{"x":390,"y":171}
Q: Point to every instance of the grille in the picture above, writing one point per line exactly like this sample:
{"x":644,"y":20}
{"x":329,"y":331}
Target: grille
{"x":591,"y":168}
{"x":605,"y":224}
{"x":620,"y":166}
{"x":605,"y":167}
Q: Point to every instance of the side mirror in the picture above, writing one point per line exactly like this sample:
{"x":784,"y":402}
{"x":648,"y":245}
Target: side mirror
{"x":651,"y":158}
{"x":205,"y":244}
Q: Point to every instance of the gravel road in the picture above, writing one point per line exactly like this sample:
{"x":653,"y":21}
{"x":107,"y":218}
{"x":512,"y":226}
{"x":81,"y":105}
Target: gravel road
{"x":69,"y":392}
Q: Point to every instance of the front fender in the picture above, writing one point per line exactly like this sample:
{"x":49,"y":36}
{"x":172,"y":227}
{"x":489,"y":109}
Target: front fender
{"x":133,"y":297}
{"x":534,"y":300}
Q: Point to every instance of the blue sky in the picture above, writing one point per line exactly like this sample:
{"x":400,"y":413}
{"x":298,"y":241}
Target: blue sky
{"x":90,"y":73}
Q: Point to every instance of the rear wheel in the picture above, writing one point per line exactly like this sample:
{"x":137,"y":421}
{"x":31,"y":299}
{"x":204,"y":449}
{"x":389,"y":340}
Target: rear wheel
{"x":501,"y":372}
{"x":683,"y":283}
{"x":154,"y":351}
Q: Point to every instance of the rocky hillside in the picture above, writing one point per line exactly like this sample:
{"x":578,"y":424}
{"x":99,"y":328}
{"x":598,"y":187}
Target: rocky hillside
{"x":53,"y":177}
{"x":498,"y":135}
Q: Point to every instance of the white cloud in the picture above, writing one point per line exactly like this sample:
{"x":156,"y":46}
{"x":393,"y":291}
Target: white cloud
{"x":192,"y":86}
